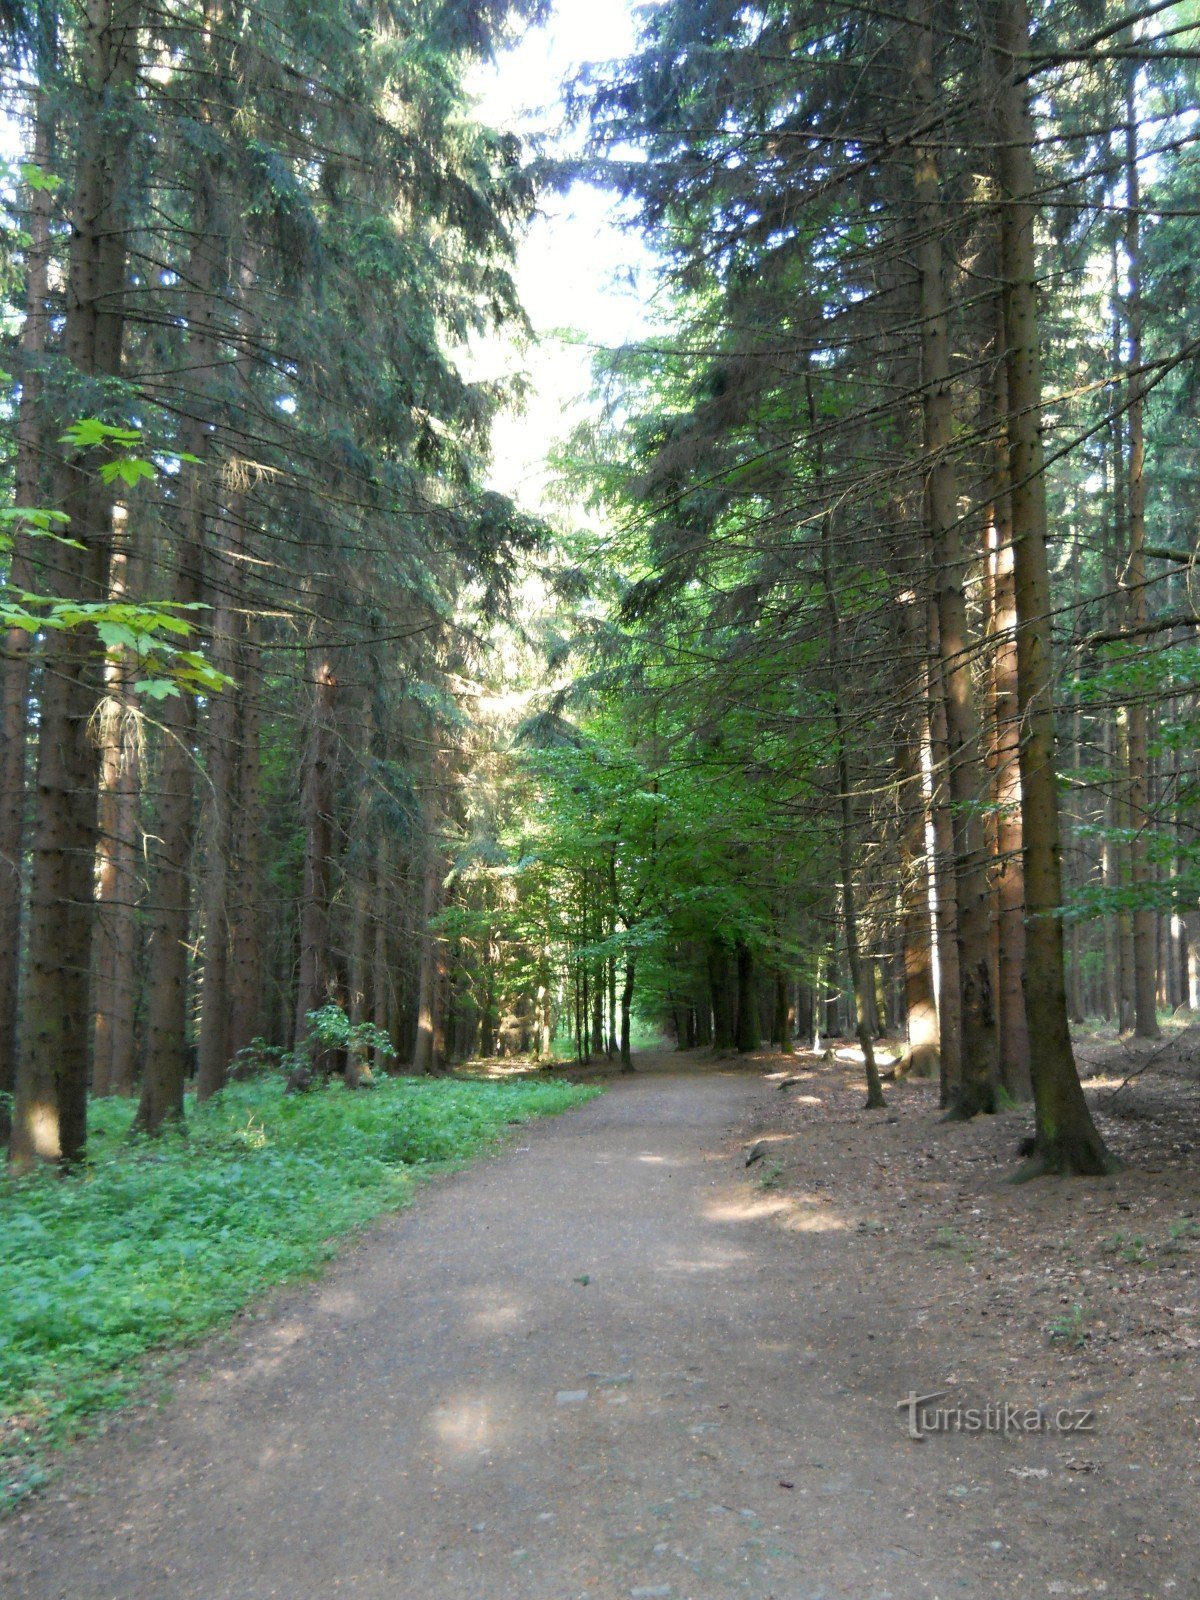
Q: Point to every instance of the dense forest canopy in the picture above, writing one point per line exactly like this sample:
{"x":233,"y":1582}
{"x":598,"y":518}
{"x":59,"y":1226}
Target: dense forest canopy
{"x":850,"y":686}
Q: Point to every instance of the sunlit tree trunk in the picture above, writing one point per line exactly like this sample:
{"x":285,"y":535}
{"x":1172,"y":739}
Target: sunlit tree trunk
{"x":847,"y":840}
{"x":935,"y":764}
{"x":975,"y":1090}
{"x":920,"y":997}
{"x":50,"y":1111}
{"x":114,"y":1048}
{"x":1006,"y":780}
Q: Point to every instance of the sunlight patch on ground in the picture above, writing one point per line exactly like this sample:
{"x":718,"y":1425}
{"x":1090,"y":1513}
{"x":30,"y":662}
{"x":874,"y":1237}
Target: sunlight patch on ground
{"x":465,"y":1424}
{"x":745,"y":1208}
{"x":340,"y":1301}
{"x":706,"y":1263}
{"x":797,"y":1215}
{"x":500,"y":1068}
{"x":289,"y":1333}
{"x":498,"y":1317}
{"x":799,"y":1219}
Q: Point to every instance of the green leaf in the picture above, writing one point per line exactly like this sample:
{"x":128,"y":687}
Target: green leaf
{"x":90,"y":431}
{"x":38,"y":179}
{"x":116,"y":635}
{"x":128,"y":469}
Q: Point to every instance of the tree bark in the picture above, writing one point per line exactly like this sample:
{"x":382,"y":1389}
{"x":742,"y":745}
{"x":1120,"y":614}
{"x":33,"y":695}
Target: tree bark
{"x":14,"y":668}
{"x":424,"y":1054}
{"x":170,"y":854}
{"x":920,"y":996}
{"x":315,"y":979}
{"x":225,"y":579}
{"x":846,"y":837}
{"x":722,"y":1003}
{"x":976,"y":1089}
{"x":1066,"y":1139}
{"x":627,"y":1014}
{"x":246,"y":1007}
{"x":114,"y":1049}
{"x":747,"y":1009}
{"x":781,"y":1023}
{"x":1006,"y":778}
{"x":1145,"y":944}
{"x":935,"y":763}
{"x":381,"y":974}
{"x":50,"y":1111}
{"x":213,"y":1052}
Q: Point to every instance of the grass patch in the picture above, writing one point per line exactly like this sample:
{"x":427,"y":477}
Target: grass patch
{"x":156,"y":1243}
{"x":1069,"y":1330}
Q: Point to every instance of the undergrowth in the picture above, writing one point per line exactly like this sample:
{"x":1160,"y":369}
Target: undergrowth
{"x":156,"y":1243}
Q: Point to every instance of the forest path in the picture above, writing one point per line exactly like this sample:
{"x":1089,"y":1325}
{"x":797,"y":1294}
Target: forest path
{"x":451,"y":1411}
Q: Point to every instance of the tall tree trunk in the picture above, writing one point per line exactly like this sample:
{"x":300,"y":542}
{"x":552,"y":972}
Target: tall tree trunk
{"x":847,"y":842}
{"x":1006,"y":780}
{"x":225,"y":578}
{"x":246,"y":1004}
{"x":358,"y":968}
{"x":611,"y":1048}
{"x":723,"y":1006}
{"x":381,"y":975}
{"x":213,"y":1052}
{"x":747,"y":1008}
{"x":920,"y":998}
{"x":50,"y":1111}
{"x":936,"y":762}
{"x":781,"y":1017}
{"x":424,"y":1054}
{"x":1145,"y":945}
{"x":1111,"y":880}
{"x":315,"y":981}
{"x":1066,"y":1139}
{"x":627,"y":1014}
{"x":599,"y":1010}
{"x":14,"y":667}
{"x":114,"y":1052}
{"x":166,"y":1055}
{"x":976,"y":1090}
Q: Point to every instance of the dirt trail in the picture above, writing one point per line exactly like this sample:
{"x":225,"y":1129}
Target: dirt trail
{"x":606,"y":1362}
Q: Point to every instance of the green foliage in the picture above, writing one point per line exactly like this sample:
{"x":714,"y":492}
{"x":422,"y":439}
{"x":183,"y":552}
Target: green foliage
{"x":152,"y":633}
{"x":1130,"y":1247}
{"x":155,"y":1244}
{"x":331,"y":1029}
{"x":1070,"y":1329}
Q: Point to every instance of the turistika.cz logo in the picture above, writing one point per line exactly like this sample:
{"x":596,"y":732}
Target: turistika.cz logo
{"x":997,"y":1416}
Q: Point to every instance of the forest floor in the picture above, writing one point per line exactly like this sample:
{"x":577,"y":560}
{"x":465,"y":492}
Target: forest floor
{"x":615,"y":1360}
